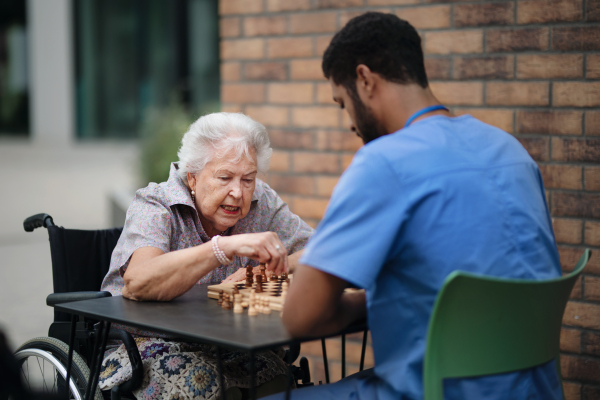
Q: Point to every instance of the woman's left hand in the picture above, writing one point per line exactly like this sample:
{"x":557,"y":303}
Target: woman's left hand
{"x":240,"y":275}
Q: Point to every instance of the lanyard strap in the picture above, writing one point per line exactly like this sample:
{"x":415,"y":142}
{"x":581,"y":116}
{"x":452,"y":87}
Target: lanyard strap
{"x":424,"y":111}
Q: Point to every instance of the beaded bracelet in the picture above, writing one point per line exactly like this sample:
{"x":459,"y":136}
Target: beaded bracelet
{"x":221,"y":257}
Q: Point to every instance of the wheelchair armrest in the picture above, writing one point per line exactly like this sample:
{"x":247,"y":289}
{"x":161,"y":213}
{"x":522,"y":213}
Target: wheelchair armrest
{"x":58,"y":298}
{"x":137,"y":368}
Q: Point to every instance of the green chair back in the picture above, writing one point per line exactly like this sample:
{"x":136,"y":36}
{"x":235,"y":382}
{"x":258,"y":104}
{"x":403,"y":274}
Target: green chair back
{"x":483,"y":325}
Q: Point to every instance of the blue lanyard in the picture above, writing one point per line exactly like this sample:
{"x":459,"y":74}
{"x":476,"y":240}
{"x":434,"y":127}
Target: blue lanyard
{"x":424,"y":111}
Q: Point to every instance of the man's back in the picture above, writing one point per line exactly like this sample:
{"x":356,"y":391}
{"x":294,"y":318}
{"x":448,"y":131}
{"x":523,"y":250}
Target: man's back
{"x":415,"y":205}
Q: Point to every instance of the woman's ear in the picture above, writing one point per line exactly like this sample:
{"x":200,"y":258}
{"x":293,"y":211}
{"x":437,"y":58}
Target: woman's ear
{"x":191,"y":180}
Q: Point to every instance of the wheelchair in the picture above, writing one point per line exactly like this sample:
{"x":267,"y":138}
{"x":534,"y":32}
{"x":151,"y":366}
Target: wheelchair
{"x":80,"y":260}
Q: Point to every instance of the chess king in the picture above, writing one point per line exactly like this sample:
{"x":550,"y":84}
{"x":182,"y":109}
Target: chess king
{"x":427,"y":194}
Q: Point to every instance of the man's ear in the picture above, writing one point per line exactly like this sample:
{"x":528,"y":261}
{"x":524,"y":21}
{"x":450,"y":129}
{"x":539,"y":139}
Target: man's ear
{"x":365,"y":80}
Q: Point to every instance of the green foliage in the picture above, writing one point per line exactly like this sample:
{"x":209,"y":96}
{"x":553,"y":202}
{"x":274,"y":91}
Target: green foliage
{"x":161,"y":134}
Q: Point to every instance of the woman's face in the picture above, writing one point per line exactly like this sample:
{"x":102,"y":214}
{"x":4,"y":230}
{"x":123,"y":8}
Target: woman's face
{"x":224,"y":191}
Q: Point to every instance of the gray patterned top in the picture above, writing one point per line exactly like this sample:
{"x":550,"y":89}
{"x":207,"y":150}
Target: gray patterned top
{"x":164,"y":216}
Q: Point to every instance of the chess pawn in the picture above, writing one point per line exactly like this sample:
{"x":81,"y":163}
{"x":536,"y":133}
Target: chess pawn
{"x":220,"y":301}
{"x":251,"y":308}
{"x":237,"y":306}
{"x":226,"y":305}
{"x":284,"y":275}
{"x":267,"y":308}
{"x":274,"y":277}
{"x":263,"y":272}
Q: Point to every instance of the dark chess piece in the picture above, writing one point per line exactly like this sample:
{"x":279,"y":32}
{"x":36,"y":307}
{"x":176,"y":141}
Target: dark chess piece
{"x":249,"y":276}
{"x":220,"y":301}
{"x":263,"y":272}
{"x":259,"y":288}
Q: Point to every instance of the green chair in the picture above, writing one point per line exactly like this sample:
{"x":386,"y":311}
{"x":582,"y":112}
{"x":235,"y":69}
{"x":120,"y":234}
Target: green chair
{"x":484,"y":325}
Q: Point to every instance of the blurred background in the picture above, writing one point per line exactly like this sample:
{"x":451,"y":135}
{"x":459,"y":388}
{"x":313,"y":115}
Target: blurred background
{"x":94,"y":97}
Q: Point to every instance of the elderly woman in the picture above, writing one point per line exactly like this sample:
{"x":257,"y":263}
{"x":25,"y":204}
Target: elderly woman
{"x":212,"y":217}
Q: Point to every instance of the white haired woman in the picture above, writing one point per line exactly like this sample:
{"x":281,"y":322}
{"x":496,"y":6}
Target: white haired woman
{"x":210,"y":219}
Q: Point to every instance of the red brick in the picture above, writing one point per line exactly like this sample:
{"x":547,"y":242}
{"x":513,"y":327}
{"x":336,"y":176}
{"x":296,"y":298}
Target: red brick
{"x":232,"y":108}
{"x":313,"y":23}
{"x":338,"y":3}
{"x":306,"y":69}
{"x":458,"y":93}
{"x":501,"y":13}
{"x":569,"y":256}
{"x":261,"y":26}
{"x":583,"y":315}
{"x":562,"y":176}
{"x":490,"y":67}
{"x":291,"y":93}
{"x":243,"y":93}
{"x":550,"y":66}
{"x":289,"y":47}
{"x":280,"y":161}
{"x":508,"y":40}
{"x":346,"y":16}
{"x":592,"y":10}
{"x":592,"y":288}
{"x":591,"y":177}
{"x":500,"y":118}
{"x":437,"y":68}
{"x":570,"y":340}
{"x":325,"y":185}
{"x":287,"y":5}
{"x":572,"y":391}
{"x":592,"y":66}
{"x":592,"y":123}
{"x":269,"y":115}
{"x":453,"y":42}
{"x":591,"y":392}
{"x":242,"y":49}
{"x":391,"y":2}
{"x":310,"y":208}
{"x":583,"y":38}
{"x":230,"y":71}
{"x":322,"y":42}
{"x":338,"y":141}
{"x":517,"y":93}
{"x":293,"y":184}
{"x":430,"y":17}
{"x":308,"y":162}
{"x":592,"y":233}
{"x":576,"y":94}
{"x":591,"y":342}
{"x":582,"y":205}
{"x":582,"y":150}
{"x":324,"y":95}
{"x":549,"y":122}
{"x":229,"y":27}
{"x":316,"y":117}
{"x":544,"y":11}
{"x":291,"y":139}
{"x":538,"y":148}
{"x":580,"y":369}
{"x":567,"y":230}
{"x":240,"y":7}
{"x":265,"y":71}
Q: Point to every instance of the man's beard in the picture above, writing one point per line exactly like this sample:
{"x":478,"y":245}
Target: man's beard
{"x":367,"y":126}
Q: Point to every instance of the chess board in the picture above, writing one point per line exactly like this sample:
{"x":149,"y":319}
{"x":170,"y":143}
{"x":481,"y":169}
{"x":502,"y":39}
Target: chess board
{"x":271,"y":290}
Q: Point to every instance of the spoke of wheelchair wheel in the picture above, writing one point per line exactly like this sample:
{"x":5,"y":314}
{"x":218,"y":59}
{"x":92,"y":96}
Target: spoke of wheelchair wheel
{"x":42,"y":371}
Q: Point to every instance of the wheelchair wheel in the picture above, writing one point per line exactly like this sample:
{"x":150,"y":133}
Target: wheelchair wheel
{"x":43,"y":363}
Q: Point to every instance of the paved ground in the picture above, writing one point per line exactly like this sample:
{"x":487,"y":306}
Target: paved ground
{"x":71,"y":184}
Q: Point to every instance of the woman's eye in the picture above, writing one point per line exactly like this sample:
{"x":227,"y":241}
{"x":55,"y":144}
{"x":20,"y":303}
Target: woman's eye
{"x":249,"y":180}
{"x":224,"y":178}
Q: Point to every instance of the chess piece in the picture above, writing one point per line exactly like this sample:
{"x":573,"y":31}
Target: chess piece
{"x":220,"y":301}
{"x":244,"y":304}
{"x":259,"y":288}
{"x":249,"y":276}
{"x":284,"y":275}
{"x":274,"y":277}
{"x":263,"y":272}
{"x":235,"y":291}
{"x":237,"y":306}
{"x":226,"y":305}
{"x":252,"y":309}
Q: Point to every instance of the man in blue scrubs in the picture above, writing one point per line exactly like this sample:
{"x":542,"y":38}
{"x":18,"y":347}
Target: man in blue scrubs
{"x":429,"y":193}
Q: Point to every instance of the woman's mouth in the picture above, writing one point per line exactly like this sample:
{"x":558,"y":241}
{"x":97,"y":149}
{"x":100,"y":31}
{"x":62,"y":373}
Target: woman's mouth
{"x":230,"y":209}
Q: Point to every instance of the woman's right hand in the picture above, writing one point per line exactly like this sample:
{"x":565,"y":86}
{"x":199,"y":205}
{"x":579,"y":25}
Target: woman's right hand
{"x":264,"y":247}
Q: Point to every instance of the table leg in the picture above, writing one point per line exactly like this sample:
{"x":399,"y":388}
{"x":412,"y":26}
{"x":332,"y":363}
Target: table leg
{"x":252,"y":377}
{"x":290,"y":378}
{"x":97,"y":332}
{"x":325,"y":365}
{"x":70,"y":356}
{"x":220,"y":370}
{"x":96,"y":376}
{"x":364,"y":348}
{"x":97,"y":357}
{"x":343,"y":356}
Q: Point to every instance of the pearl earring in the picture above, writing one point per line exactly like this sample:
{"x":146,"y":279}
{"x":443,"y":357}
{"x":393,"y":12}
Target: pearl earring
{"x":194,"y":197}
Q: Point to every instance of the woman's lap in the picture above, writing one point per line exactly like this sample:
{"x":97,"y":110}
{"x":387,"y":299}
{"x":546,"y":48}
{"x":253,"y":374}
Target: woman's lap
{"x":178,"y":370}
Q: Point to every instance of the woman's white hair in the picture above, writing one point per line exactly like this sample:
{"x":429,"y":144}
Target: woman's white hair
{"x":214,"y":135}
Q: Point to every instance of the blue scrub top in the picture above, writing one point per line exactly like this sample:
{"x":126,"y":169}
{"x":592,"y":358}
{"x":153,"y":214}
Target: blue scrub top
{"x":444,"y":194}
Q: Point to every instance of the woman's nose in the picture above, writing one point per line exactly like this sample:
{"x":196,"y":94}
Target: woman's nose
{"x":236,"y":190}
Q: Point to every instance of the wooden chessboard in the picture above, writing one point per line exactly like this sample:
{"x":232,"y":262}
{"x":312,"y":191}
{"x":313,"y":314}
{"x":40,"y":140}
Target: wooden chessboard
{"x":271,"y":290}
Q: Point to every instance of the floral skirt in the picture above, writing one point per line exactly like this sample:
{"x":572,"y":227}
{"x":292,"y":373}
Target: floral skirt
{"x":177,"y":370}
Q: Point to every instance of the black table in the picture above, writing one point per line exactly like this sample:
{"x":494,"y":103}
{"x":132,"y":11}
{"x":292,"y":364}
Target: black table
{"x":191,"y":317}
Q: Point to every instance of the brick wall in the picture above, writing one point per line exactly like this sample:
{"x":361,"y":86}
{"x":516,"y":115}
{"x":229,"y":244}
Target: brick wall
{"x":530,"y":67}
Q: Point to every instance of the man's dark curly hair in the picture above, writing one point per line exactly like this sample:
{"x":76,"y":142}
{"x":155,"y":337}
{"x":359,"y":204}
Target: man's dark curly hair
{"x":385,"y":43}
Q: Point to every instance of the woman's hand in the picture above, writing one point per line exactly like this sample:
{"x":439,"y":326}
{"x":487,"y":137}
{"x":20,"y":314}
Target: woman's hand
{"x":240,"y":275}
{"x":264,"y":247}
